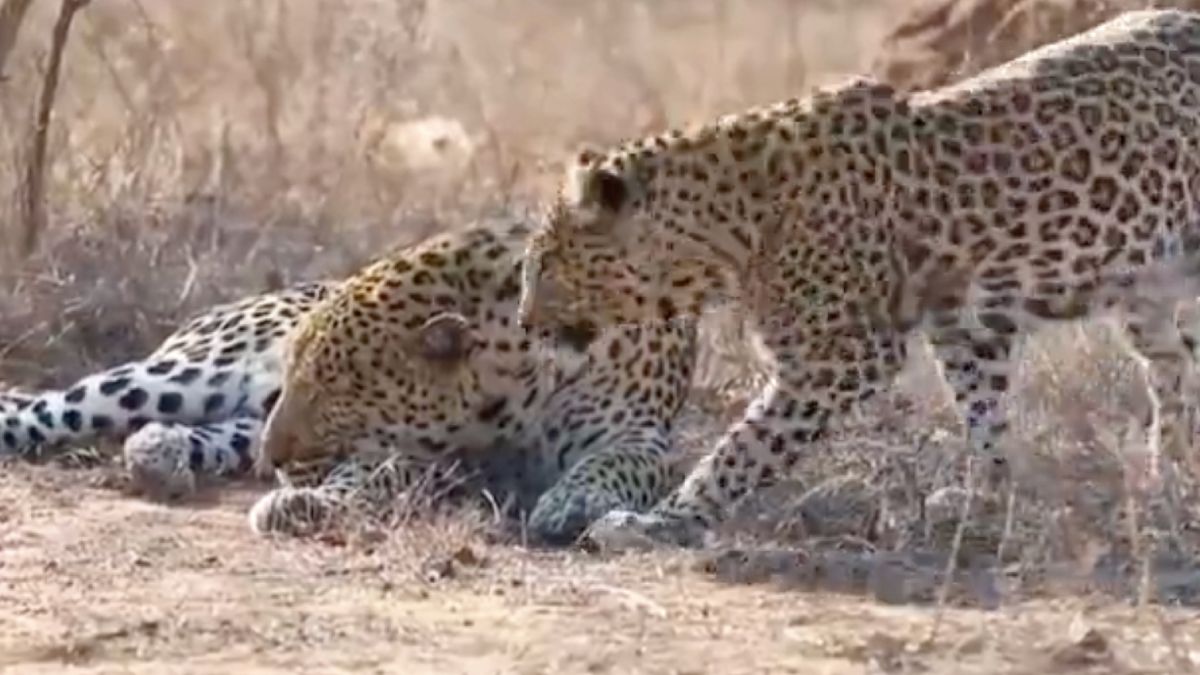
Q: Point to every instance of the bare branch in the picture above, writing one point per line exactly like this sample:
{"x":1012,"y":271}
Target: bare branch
{"x":33,"y":207}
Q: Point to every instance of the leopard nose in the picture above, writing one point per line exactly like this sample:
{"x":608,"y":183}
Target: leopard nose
{"x":277,"y":449}
{"x":526,"y":317}
{"x":529,"y":310}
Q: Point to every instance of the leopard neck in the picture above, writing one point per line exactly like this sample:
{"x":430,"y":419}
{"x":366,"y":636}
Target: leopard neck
{"x":734,"y":191}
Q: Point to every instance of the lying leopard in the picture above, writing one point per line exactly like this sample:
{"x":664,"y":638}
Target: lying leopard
{"x":415,"y":365}
{"x":1060,"y":186}
{"x":193,"y":407}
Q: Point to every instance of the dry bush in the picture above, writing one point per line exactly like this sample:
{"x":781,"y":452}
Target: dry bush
{"x":199,"y":152}
{"x":940,"y":41}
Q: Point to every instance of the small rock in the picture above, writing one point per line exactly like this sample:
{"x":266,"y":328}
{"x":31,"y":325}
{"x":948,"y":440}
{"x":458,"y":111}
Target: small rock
{"x":1090,"y":649}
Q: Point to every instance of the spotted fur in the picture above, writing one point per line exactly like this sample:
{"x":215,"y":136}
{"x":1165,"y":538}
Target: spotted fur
{"x":368,"y":409}
{"x":1060,"y":186}
{"x":420,"y":356}
{"x":192,"y":407}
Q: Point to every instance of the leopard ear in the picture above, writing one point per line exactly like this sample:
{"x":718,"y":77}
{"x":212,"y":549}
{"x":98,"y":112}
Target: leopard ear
{"x":446,"y":338}
{"x":597,"y":193}
{"x":607,"y":191}
{"x":592,"y":201}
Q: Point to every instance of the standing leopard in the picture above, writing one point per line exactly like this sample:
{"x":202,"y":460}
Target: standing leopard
{"x":413,"y":367}
{"x":1060,"y":186}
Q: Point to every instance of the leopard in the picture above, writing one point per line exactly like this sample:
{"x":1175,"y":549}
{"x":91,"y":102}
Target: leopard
{"x":192,"y":409}
{"x":349,"y":392}
{"x":1061,"y":186}
{"x":419,"y":356}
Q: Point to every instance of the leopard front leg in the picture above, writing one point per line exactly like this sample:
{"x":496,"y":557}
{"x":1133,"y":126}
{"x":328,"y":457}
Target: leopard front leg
{"x":354,"y":485}
{"x":631,"y":473}
{"x":978,"y":353}
{"x":817,"y":376}
{"x":605,"y":440}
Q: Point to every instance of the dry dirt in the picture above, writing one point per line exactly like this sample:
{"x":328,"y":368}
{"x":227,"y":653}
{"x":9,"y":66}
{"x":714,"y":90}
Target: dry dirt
{"x":96,"y":580}
{"x":92,"y":581}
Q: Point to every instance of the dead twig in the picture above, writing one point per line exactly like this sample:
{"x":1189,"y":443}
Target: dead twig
{"x":33,"y":206}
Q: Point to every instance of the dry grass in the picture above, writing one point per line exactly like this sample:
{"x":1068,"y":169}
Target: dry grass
{"x":97,"y":583}
{"x":941,"y":41}
{"x":199,"y":152}
{"x":223,"y":148}
{"x":101,"y":582}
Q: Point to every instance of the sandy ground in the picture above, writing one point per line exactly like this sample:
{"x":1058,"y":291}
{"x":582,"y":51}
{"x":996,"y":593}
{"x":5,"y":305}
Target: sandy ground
{"x":94,"y":581}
